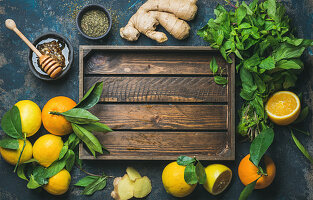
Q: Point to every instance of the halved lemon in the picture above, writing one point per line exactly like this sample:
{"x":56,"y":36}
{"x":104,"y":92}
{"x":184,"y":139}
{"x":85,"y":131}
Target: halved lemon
{"x":218,"y":177}
{"x":283,"y":107}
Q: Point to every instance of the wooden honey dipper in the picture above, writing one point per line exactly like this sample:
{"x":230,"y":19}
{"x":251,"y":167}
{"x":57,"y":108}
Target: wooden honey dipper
{"x":48,"y":64}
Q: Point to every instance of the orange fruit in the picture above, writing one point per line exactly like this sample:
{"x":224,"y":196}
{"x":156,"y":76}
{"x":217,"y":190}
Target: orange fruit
{"x":57,"y":124}
{"x":248,"y":172}
{"x":174,"y":182}
{"x":47,"y":149}
{"x":59,"y":183}
{"x":283,"y":107}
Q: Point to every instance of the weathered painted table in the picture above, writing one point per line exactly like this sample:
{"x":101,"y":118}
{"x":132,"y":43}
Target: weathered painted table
{"x":294,"y":178}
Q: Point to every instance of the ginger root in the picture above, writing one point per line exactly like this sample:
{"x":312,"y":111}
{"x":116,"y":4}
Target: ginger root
{"x":131,"y":185}
{"x":132,"y":173}
{"x":169,"y":13}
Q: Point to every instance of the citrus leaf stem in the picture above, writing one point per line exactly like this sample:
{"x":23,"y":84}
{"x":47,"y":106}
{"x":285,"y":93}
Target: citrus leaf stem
{"x":19,"y":158}
{"x":91,"y":174}
{"x":55,"y":113}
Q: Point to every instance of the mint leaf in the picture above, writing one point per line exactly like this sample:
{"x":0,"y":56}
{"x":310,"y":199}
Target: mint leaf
{"x":213,"y":65}
{"x":287,"y":51}
{"x":268,"y":63}
{"x":240,"y":14}
{"x":290,"y":64}
{"x":220,"y":80}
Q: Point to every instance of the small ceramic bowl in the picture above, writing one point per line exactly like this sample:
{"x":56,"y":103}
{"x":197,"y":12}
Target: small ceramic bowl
{"x":67,"y":52}
{"x":86,"y":9}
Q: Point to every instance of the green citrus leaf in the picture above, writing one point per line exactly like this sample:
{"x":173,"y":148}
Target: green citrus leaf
{"x":11,"y":123}
{"x":42,"y":174}
{"x":70,"y":160}
{"x":63,"y":152}
{"x":30,"y":161}
{"x":73,"y":141}
{"x":190,"y":174}
{"x":77,"y":160}
{"x":260,"y":145}
{"x":79,"y":116}
{"x":97,"y":127}
{"x":200,"y":173}
{"x":301,"y":147}
{"x":21,"y":172}
{"x":86,"y":181}
{"x":92,"y":96}
{"x":247,"y":190}
{"x":9,"y":143}
{"x":98,"y":184}
{"x":88,"y":138}
{"x":185,"y":160}
{"x":33,"y":184}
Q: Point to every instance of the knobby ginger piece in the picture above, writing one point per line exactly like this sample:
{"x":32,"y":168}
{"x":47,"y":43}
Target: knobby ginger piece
{"x":142,"y":187}
{"x":132,"y":173}
{"x":123,"y":188}
{"x":169,"y":13}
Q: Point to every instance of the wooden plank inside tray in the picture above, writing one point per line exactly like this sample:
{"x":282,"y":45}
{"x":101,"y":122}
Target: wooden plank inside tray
{"x":161,"y":102}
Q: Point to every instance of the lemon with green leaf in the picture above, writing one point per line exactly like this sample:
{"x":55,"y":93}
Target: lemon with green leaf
{"x":174,"y":182}
{"x":30,"y":116}
{"x":11,"y":155}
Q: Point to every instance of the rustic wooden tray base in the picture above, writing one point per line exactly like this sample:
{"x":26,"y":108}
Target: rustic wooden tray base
{"x":162,"y":102}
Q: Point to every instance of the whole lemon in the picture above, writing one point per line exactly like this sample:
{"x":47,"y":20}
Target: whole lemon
{"x":174,"y":182}
{"x":57,"y":124}
{"x":30,"y":116}
{"x":59,"y":183}
{"x":218,"y":177}
{"x":47,"y":148}
{"x":11,"y":156}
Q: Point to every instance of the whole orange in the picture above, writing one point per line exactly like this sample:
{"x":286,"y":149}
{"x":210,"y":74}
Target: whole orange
{"x":248,"y":172}
{"x":57,"y":124}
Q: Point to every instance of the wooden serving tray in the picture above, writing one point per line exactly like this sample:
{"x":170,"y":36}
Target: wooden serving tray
{"x":161,"y":102}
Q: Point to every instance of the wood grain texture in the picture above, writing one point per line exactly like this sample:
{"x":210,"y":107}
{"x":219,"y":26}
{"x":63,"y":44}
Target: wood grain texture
{"x":162,"y":145}
{"x":125,"y":62}
{"x":159,"y":89}
{"x":160,"y":117}
{"x":161,"y":102}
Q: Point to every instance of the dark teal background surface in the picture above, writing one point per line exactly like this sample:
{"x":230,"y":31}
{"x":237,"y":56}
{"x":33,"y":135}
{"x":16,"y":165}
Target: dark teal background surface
{"x":294,"y":178}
